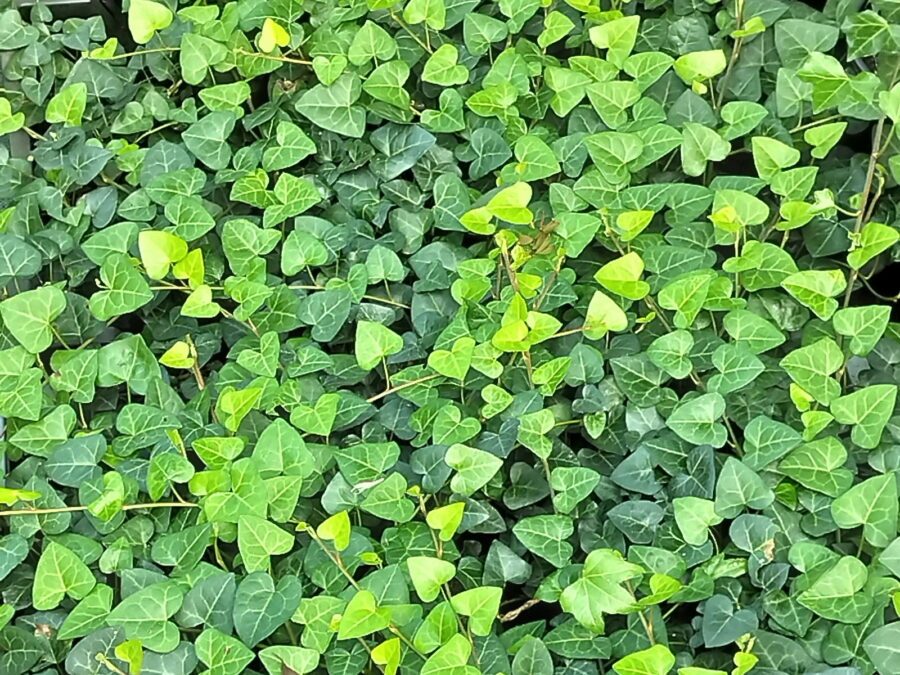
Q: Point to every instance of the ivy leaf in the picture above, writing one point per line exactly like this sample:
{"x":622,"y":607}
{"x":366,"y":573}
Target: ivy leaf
{"x":657,"y":660}
{"x":258,"y":539}
{"x":816,"y":289}
{"x":261,"y":605}
{"x":160,"y":250}
{"x":431,"y":12}
{"x":481,"y":605}
{"x":738,"y":487}
{"x":698,"y":420}
{"x":333,"y":107}
{"x":671,"y":353}
{"x":623,"y":277}
{"x":224,"y":654}
{"x":617,"y":37}
{"x":291,"y":146}
{"x":126,"y":290}
{"x":446,"y":519}
{"x":442,"y":67}
{"x":68,"y":106}
{"x":451,"y":658}
{"x":701,"y":145}
{"x":29,"y":316}
{"x":272,"y":36}
{"x":812,"y":366}
{"x":874,"y":239}
{"x":868,"y":410}
{"x":429,"y":574}
{"x":571,"y":486}
{"x":60,"y":572}
{"x":474,"y":468}
{"x":600,"y":589}
{"x":145,"y":615}
{"x":362,"y":617}
{"x":146,"y":17}
{"x":198,"y":55}
{"x":89,"y":614}
{"x":388,"y":500}
{"x":9,"y":121}
{"x":207,"y":138}
{"x":455,"y":362}
{"x":694,"y":516}
{"x":603,"y":315}
{"x":881,"y":647}
{"x":700,"y":66}
{"x":280,"y":657}
{"x":836,"y":594}
{"x":872,"y":504}
{"x":375,"y":342}
{"x":336,"y":528}
{"x":863,"y":325}
{"x":770,"y":156}
{"x":547,"y":537}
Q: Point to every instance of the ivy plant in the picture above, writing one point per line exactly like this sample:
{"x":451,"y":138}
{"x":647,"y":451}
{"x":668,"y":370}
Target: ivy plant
{"x":452,"y":337}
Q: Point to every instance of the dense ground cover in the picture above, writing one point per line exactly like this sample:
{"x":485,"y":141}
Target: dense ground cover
{"x":451,"y":336}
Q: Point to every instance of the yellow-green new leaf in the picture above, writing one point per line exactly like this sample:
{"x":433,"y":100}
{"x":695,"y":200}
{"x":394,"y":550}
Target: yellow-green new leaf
{"x":145,"y":17}
{"x":603,"y":315}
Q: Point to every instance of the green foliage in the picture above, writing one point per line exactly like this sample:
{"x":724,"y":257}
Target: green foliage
{"x":451,"y":337}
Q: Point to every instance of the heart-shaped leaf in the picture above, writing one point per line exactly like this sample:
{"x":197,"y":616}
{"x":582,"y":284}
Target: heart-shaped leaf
{"x":453,"y":363}
{"x":261,"y":605}
{"x":362,"y":617}
{"x":375,"y":342}
{"x":145,"y":17}
{"x":474,"y":468}
{"x":723,"y":625}
{"x":272,"y":36}
{"x":429,"y":574}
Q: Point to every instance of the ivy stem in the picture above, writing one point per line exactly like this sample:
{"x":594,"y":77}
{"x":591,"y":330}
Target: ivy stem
{"x":814,"y":123}
{"x":154,"y":130}
{"x":405,"y":385}
{"x":34,"y":134}
{"x":647,"y":624}
{"x":864,"y":199}
{"x":513,"y":614}
{"x":195,"y":367}
{"x":140,"y":52}
{"x":408,"y":31}
{"x":336,"y":559}
{"x":735,"y":53}
{"x":164,"y":286}
{"x":102,"y":659}
{"x":546,"y":464}
{"x":564,"y":333}
{"x":74,"y":509}
{"x":273,"y":57}
{"x":59,"y":337}
{"x":387,"y":373}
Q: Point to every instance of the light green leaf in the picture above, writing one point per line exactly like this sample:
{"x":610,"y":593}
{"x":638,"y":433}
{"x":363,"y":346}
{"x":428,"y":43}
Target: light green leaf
{"x":481,"y":605}
{"x":29,"y":316}
{"x":375,"y":342}
{"x":868,"y":411}
{"x":872,"y":504}
{"x":60,"y":572}
{"x":474,"y":468}
{"x":362,"y":617}
{"x":67,"y":107}
{"x":258,"y":540}
{"x":698,"y":420}
{"x":145,"y":17}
